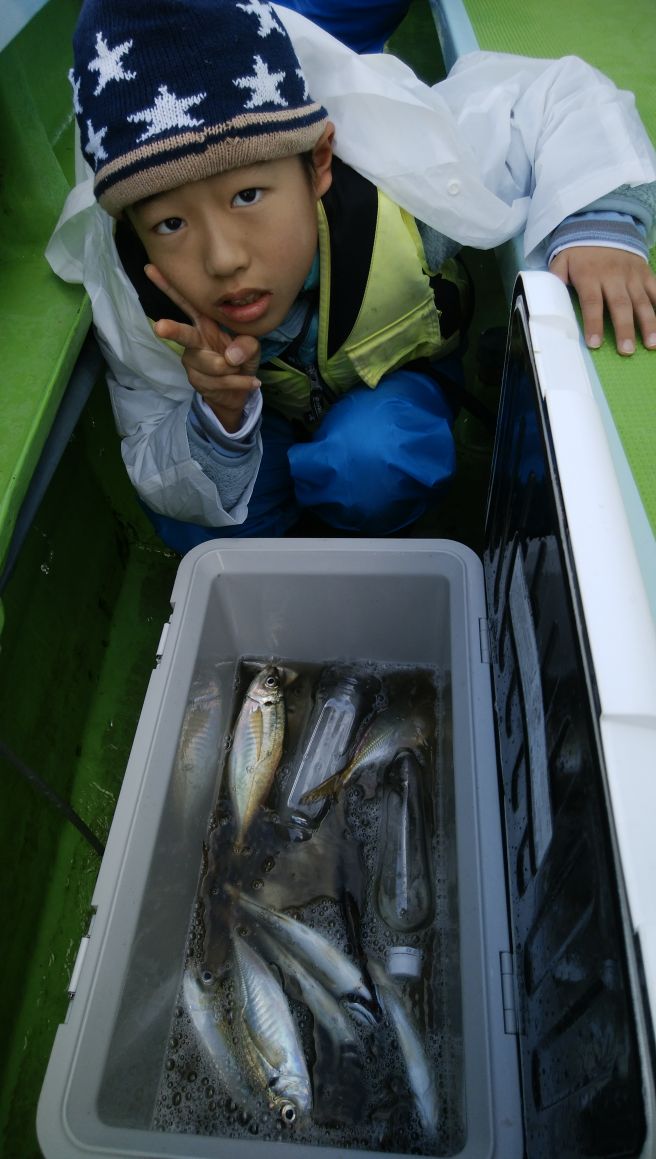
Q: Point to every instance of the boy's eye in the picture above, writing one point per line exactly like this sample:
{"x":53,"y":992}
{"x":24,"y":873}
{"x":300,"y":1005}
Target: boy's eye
{"x":247,"y":197}
{"x":169,"y":225}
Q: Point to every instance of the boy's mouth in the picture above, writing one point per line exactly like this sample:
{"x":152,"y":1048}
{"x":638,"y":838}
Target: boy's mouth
{"x":245,"y":306}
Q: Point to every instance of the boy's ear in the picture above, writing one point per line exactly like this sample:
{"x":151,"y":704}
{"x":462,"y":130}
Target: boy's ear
{"x":322,"y":159}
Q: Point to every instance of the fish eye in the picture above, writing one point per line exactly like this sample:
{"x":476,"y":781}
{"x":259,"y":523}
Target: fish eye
{"x":288,"y":1114}
{"x":271,"y":681}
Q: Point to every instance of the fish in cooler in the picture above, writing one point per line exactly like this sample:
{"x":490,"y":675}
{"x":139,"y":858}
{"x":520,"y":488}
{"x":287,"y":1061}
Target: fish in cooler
{"x":418,"y":1070}
{"x":203,"y":1007}
{"x":267,"y":1037}
{"x":257,"y":745}
{"x":396,"y":727}
{"x":341,"y":977}
{"x":337,"y":1067}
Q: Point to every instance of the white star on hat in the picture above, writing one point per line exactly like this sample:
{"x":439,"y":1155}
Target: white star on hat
{"x":168,"y":112}
{"x":76,"y":90}
{"x":301,"y":76}
{"x":108,"y":63}
{"x":94,"y":145}
{"x":266,"y":16}
{"x":264,"y":85}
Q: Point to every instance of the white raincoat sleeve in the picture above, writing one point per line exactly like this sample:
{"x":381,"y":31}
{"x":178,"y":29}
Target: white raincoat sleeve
{"x":504,"y":144}
{"x":148,"y":386}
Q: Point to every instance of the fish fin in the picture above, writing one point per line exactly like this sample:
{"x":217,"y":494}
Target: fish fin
{"x":330,"y":786}
{"x":256,"y":724}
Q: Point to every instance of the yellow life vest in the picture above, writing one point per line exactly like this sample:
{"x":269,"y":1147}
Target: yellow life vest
{"x":379,"y":304}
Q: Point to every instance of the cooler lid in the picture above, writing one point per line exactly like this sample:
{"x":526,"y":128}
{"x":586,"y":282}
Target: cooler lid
{"x":574,"y":671}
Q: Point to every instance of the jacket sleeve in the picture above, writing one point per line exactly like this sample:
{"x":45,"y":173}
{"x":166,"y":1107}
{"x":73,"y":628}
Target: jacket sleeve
{"x":174,"y":470}
{"x":505,"y":144}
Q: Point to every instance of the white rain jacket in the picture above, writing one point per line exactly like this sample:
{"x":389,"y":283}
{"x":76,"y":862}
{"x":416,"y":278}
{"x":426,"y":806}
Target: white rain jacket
{"x":504,"y":144}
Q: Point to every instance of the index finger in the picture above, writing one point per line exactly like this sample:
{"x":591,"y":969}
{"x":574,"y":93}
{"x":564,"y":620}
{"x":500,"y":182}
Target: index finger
{"x":208,"y":332}
{"x":157,"y":278}
{"x":182,"y":334}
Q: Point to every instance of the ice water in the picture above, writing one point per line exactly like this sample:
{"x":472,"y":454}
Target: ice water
{"x":327,"y":865}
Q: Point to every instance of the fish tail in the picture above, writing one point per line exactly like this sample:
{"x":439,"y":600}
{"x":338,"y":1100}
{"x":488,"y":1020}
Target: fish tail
{"x":326,"y":788}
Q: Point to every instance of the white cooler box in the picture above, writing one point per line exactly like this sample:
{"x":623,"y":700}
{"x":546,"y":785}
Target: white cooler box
{"x":533,"y":1004}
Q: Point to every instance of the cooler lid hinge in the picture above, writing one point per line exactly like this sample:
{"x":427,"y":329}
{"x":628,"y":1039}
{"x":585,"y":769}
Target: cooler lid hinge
{"x":81,"y":955}
{"x":159,"y":652}
{"x":77,"y":968}
{"x":508,"y":992}
{"x":484,"y":633}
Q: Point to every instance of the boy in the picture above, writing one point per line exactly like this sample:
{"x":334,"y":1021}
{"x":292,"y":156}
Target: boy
{"x":292,"y":270}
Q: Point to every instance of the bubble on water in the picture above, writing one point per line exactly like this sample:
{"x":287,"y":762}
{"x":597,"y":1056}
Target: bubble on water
{"x":386,"y":1130}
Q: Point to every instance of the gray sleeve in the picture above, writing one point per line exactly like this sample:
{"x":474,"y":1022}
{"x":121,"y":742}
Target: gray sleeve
{"x":231,"y":470}
{"x":637,"y":200}
{"x":437,"y":246}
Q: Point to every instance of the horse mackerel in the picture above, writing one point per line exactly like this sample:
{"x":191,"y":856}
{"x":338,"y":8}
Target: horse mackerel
{"x":257,"y":746}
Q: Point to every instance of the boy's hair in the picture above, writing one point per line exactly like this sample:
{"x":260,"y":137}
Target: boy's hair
{"x":172,"y":91}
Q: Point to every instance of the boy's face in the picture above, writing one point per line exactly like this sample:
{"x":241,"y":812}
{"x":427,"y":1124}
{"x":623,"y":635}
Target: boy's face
{"x":238,"y":246}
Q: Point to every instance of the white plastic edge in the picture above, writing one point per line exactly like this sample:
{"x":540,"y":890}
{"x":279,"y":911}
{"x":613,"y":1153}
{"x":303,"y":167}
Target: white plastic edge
{"x":618,"y":616}
{"x":15,"y":15}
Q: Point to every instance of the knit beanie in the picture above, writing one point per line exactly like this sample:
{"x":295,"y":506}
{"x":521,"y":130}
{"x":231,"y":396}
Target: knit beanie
{"x":171,"y":91}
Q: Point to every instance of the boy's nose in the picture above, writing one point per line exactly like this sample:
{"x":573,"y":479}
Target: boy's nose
{"x":224,"y":252}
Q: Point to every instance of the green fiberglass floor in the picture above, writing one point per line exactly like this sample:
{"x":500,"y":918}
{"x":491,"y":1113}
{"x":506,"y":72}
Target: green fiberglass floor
{"x":83,"y":614}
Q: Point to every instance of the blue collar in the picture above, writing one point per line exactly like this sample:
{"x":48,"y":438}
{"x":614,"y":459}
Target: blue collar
{"x":274,"y":343}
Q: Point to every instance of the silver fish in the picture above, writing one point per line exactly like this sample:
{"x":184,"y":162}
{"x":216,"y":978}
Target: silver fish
{"x":268,"y":1036}
{"x":420,"y":1077}
{"x":200,"y":1002}
{"x":393,"y":729}
{"x":341,"y":977}
{"x":337,"y":1067}
{"x":324,"y":1008}
{"x":256,"y":746}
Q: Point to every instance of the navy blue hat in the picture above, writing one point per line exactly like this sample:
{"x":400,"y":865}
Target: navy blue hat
{"x":171,"y":91}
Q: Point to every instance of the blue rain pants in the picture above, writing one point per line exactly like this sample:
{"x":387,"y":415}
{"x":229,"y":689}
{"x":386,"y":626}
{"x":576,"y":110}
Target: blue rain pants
{"x":372,"y":467}
{"x":363,"y":25}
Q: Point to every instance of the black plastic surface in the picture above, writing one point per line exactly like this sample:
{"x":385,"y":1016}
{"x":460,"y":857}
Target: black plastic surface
{"x":579,"y":1055}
